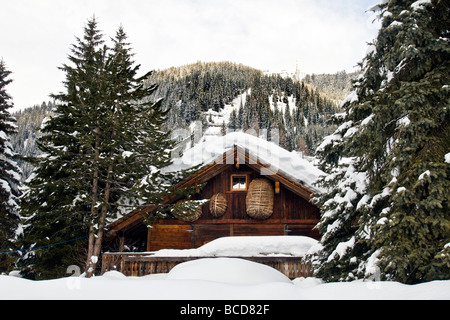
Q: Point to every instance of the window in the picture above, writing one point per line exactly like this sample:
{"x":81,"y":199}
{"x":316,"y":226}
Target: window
{"x":238,"y":183}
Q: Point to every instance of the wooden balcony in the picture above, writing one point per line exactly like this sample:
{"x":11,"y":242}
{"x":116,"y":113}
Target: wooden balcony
{"x":141,"y":264}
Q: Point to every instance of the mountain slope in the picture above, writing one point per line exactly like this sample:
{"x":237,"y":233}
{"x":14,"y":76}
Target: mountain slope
{"x":29,"y":122}
{"x":334,"y":86}
{"x":235,"y":97}
{"x":220,"y":97}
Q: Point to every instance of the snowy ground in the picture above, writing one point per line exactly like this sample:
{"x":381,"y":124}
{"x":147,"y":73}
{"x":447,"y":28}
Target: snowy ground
{"x":220,"y":279}
{"x":235,"y":279}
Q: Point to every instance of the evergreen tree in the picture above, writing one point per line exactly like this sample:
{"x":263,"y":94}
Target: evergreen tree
{"x":59,"y":197}
{"x":106,"y":136}
{"x":9,"y":175}
{"x":389,"y":207}
{"x":104,"y":149}
{"x":233,"y":123}
{"x":412,"y":230}
{"x":240,"y":117}
{"x":131,"y":145}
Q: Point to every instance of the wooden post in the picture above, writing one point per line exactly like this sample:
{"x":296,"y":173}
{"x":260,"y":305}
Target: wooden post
{"x":149,"y":233}
{"x":121,"y":243}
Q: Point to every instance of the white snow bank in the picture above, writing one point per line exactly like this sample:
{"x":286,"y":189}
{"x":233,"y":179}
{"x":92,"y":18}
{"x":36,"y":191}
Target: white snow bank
{"x":266,"y":152}
{"x":297,"y":246}
{"x":115,"y":286}
{"x":227,"y":270}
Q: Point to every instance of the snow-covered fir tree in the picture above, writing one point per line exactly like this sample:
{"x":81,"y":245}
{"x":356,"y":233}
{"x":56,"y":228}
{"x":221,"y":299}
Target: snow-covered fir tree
{"x":58,"y":200}
{"x":387,"y":209}
{"x":9,"y":174}
{"x":342,"y":252}
{"x":99,"y":147}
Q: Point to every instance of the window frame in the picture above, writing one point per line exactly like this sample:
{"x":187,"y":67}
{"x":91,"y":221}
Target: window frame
{"x":233,"y":176}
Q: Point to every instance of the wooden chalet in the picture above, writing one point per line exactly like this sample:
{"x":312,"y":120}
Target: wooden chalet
{"x":231,"y":166}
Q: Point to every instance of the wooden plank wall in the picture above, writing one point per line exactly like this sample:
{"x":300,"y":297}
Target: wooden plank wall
{"x":170,"y":237}
{"x":293,"y":215}
{"x":186,"y":236}
{"x":287,"y":205}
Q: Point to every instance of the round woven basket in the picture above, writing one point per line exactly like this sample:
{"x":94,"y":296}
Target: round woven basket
{"x":218,"y":205}
{"x":259,"y":199}
{"x":188,"y":216}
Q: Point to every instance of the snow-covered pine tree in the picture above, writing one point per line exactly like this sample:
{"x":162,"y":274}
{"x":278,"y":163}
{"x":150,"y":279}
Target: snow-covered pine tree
{"x":125,"y":141}
{"x":342,"y":249}
{"x":9,"y":175}
{"x":116,"y":139}
{"x":409,"y":213}
{"x":134,"y":146}
{"x":103,"y":149}
{"x":395,"y":132}
{"x":233,"y":123}
{"x":58,"y":201}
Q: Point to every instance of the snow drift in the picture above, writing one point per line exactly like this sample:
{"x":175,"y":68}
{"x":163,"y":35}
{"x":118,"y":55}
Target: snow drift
{"x":197,"y":282}
{"x":227,"y":270}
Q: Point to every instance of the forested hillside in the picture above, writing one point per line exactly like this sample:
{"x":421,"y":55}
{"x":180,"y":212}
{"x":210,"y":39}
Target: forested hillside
{"x":298,"y":110}
{"x":28,"y":124}
{"x":334,"y":86}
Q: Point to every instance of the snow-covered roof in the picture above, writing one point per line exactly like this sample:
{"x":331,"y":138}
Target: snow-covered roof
{"x":277,"y":159}
{"x":248,"y":246}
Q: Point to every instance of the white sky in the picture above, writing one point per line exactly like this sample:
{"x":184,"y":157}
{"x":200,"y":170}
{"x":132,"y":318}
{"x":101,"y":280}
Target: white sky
{"x":324,"y":36}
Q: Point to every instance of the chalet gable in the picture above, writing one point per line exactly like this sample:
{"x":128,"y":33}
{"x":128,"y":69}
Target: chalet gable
{"x":237,"y":150}
{"x":238,"y":156}
{"x":267,"y":157}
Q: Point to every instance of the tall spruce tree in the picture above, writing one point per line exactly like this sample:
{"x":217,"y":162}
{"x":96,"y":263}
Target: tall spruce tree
{"x":388,"y":206}
{"x":101,"y":145}
{"x":59,"y":198}
{"x":131,"y":143}
{"x":9,"y":175}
